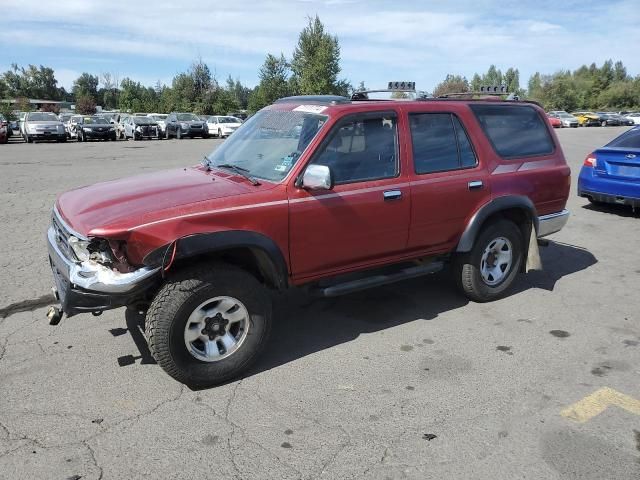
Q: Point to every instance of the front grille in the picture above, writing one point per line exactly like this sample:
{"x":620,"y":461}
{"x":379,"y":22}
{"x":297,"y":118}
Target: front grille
{"x":196,"y":126}
{"x":62,"y":238}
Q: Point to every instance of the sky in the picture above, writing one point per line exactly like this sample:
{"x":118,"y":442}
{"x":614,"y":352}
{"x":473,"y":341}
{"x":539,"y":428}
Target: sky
{"x":380,"y":40}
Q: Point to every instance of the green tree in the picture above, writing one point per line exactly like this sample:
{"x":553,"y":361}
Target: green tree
{"x":31,"y":82}
{"x":512,"y":81}
{"x":315,"y":64}
{"x":451,"y":84}
{"x":273,"y":82}
{"x":492,"y":77}
{"x":86,"y":85}
{"x":476,"y":82}
{"x":85,"y":105}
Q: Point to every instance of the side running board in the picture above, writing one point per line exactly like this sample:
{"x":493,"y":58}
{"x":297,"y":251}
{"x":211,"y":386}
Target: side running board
{"x":378,"y":280}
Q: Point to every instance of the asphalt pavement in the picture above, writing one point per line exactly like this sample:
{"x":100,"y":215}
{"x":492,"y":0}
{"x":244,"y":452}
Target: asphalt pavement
{"x":405,"y":381}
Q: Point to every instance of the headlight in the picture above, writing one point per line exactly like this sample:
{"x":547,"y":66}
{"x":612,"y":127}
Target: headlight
{"x":31,"y":128}
{"x":111,"y":129}
{"x":80,"y":248}
{"x":184,"y":125}
{"x":87,"y":129}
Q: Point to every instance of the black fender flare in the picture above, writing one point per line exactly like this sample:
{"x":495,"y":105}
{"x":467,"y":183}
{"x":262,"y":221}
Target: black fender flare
{"x":271,"y":262}
{"x":496,"y":205}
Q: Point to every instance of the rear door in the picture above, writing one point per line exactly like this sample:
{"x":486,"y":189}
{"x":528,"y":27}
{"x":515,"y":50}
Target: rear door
{"x":448,"y":182}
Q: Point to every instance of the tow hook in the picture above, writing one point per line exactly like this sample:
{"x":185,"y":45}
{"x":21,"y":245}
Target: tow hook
{"x":54,"y":315}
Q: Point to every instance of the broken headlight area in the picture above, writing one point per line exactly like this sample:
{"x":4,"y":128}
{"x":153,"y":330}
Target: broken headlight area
{"x":93,"y":250}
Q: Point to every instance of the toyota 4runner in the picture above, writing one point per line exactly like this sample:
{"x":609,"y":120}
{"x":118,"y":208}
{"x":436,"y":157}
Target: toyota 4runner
{"x":325,"y":192}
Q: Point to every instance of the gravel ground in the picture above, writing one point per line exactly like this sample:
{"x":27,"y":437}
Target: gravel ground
{"x":405,"y":381}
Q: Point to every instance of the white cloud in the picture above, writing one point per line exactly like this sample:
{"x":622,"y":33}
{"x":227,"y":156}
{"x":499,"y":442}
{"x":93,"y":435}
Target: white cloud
{"x":422,"y":40}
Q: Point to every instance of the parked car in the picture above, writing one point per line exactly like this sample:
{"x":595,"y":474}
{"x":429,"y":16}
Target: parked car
{"x":182,"y":125}
{"x":70,"y":127}
{"x":161,"y":120}
{"x":120,"y":120}
{"x":554,"y":121}
{"x":94,"y":128}
{"x":201,"y":249}
{"x":634,"y":117}
{"x":241,"y":115}
{"x":139,"y":128}
{"x":223,"y":126}
{"x":565,"y":118}
{"x":587,"y":119}
{"x":622,"y":120}
{"x":611,"y":174}
{"x":43,"y":126}
{"x":7,"y":129}
{"x":608,"y":119}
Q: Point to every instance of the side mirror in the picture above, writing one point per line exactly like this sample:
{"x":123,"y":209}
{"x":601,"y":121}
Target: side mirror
{"x":317,"y":177}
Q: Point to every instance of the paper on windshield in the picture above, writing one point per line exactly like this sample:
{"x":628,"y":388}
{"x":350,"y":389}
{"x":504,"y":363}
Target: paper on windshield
{"x":310,"y":108}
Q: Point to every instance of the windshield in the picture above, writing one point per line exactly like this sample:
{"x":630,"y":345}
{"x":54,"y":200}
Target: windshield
{"x":269,"y":144}
{"x":42,"y":117}
{"x":228,"y":120}
{"x":565,"y":115}
{"x":187,"y":117}
{"x":94,"y":121}
{"x":159,"y":117}
{"x":142,"y":120}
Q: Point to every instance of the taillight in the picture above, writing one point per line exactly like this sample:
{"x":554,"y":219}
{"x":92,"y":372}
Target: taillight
{"x":590,"y":161}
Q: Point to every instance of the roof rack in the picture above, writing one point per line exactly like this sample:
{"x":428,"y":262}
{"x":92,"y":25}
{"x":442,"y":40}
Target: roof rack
{"x":472,"y":94}
{"x":315,"y":99}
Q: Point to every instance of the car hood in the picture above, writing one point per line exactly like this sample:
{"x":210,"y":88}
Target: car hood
{"x":122,"y":205}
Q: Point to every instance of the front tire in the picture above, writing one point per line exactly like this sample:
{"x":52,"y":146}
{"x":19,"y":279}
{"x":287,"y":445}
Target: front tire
{"x":207,"y":324}
{"x":489,"y":269}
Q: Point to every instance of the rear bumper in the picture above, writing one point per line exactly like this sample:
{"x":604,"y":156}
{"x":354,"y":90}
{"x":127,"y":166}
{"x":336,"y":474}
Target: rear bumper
{"x":552,"y":223}
{"x":608,"y":189}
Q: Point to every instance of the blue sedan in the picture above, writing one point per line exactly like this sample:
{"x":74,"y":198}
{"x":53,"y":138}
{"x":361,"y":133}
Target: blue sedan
{"x":611,"y":174}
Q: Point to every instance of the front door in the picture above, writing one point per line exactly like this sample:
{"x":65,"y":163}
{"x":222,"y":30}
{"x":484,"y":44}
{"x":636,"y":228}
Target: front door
{"x":364,"y":218}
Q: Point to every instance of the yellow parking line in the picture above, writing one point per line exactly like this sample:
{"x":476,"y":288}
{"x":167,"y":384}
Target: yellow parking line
{"x":598,"y":402}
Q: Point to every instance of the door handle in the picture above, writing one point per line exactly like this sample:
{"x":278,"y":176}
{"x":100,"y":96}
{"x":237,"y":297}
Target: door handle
{"x":476,"y":184}
{"x":392,"y":195}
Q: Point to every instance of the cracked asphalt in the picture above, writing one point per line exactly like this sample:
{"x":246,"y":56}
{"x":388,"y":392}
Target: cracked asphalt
{"x":405,"y":381}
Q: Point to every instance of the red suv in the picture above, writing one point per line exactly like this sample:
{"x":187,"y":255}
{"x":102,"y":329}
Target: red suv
{"x":330,"y":193}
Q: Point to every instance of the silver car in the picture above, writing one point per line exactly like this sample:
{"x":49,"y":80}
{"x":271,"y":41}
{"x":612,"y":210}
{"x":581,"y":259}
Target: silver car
{"x":43,"y":126}
{"x":161,"y":120}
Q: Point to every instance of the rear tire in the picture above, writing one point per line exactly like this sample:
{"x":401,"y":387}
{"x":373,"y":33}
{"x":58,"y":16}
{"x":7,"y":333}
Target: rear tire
{"x":499,"y":245}
{"x":171,"y":315}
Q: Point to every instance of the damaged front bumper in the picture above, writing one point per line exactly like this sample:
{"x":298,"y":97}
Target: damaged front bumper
{"x":91,"y":287}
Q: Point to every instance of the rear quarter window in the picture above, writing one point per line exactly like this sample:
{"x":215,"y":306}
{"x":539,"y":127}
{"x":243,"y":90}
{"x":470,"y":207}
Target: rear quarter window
{"x":629,"y":139}
{"x":515,"y":131}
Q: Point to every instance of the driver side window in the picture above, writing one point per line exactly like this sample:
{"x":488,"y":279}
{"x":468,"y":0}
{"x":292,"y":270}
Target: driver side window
{"x":362,"y":148}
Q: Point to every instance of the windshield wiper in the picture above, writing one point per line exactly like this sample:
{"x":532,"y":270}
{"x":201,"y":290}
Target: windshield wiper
{"x":243,"y":172}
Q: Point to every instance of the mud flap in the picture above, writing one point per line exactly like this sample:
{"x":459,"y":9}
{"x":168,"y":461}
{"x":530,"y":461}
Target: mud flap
{"x":534,"y":262}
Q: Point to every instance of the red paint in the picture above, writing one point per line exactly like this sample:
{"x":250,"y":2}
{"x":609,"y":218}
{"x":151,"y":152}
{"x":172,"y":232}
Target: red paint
{"x":323,"y":232}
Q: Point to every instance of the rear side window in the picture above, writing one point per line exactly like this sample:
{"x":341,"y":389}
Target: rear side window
{"x":440,"y":143}
{"x":514,"y":130}
{"x":630,"y":139}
